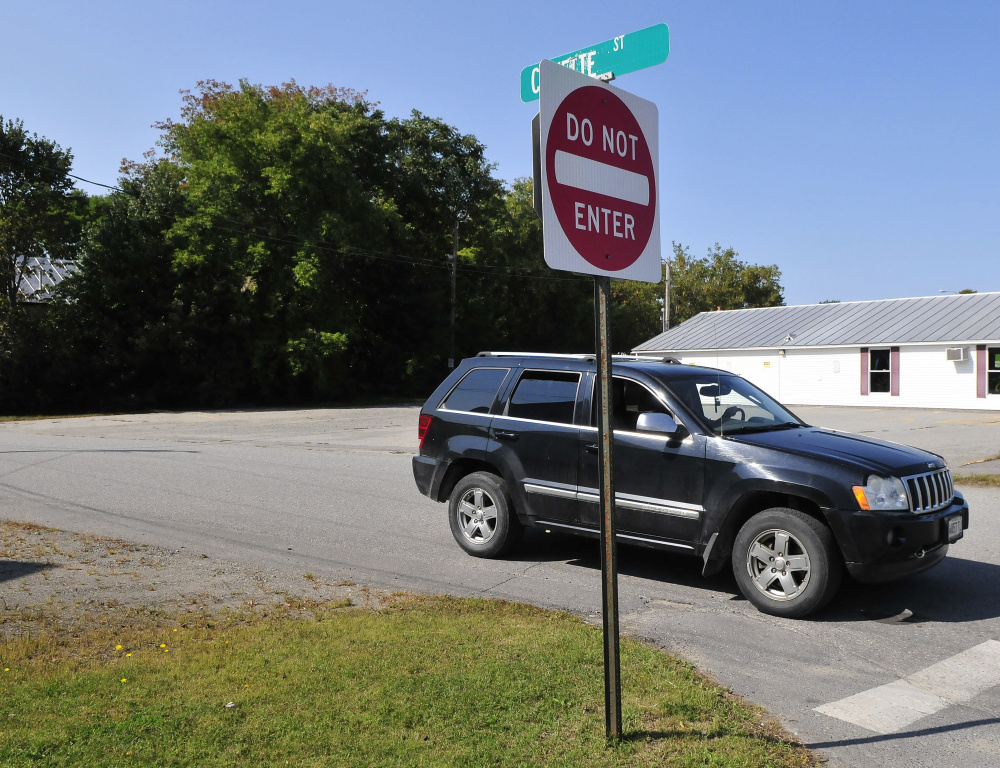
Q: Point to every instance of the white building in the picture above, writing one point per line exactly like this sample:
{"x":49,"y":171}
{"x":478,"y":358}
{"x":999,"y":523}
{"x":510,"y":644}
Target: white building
{"x":934,"y":352}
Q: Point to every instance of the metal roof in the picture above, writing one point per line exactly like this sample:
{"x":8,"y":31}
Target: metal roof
{"x":961,"y":318}
{"x":41,"y":275}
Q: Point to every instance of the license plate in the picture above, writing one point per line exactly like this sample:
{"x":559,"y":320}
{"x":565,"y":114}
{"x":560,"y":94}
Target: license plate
{"x":954,"y":528}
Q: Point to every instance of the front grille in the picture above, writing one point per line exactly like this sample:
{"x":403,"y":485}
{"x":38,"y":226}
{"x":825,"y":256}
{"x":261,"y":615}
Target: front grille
{"x":930,"y":491}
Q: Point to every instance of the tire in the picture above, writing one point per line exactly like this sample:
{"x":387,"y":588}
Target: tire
{"x":807,"y":550}
{"x":482,"y":516}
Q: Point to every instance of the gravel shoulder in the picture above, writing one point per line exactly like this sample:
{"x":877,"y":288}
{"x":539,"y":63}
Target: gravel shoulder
{"x":62,"y":581}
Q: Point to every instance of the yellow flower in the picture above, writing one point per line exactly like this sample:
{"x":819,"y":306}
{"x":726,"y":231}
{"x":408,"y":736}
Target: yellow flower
{"x":124,"y":680}
{"x":175,"y":630}
{"x":163,"y":645}
{"x":118,"y":647}
{"x":128,"y":654}
{"x":166,"y":650}
{"x":6,"y":669}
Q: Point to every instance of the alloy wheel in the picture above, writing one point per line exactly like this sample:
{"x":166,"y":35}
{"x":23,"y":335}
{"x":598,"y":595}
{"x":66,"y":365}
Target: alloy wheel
{"x":477,"y":516}
{"x":778,"y":564}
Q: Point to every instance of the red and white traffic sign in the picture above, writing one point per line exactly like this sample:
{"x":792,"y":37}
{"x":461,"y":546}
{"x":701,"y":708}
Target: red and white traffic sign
{"x":600,"y":201}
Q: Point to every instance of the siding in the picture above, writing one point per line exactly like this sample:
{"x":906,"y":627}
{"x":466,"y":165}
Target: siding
{"x":832,"y":376}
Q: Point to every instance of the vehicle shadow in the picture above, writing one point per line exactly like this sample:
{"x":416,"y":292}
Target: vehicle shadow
{"x":638,"y":562}
{"x":954,"y":591}
{"x":16,"y":569}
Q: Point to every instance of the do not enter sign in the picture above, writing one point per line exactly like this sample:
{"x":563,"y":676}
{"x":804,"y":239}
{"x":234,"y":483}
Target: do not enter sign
{"x":600,"y":206}
{"x":601,"y":179}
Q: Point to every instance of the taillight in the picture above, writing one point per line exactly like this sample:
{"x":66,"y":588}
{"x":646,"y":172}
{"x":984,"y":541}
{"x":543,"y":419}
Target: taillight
{"x":422,"y":426}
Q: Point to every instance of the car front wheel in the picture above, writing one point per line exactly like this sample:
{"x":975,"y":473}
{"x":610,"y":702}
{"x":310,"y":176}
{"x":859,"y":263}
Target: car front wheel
{"x":482,"y":517}
{"x":786,"y":563}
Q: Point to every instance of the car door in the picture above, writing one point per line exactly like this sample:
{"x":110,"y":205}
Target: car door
{"x":535,"y":438}
{"x":659,"y":478}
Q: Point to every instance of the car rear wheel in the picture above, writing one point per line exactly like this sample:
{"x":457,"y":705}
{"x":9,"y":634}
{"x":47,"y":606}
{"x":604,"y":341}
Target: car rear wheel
{"x":482,"y":517}
{"x":786,"y":563}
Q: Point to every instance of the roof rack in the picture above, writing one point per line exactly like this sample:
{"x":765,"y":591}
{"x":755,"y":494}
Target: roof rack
{"x":565,"y":356}
{"x":535,"y":354}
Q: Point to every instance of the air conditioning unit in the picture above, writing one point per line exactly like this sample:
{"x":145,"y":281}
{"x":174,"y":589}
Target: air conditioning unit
{"x":958,"y":354}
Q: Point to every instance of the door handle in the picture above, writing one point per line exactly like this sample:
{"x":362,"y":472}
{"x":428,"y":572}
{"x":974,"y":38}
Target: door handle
{"x":592,"y":448}
{"x":503,"y":434}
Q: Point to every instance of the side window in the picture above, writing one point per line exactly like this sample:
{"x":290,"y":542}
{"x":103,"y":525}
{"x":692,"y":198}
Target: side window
{"x":476,"y":391}
{"x":993,"y":371}
{"x":545,"y":396}
{"x":629,"y":399}
{"x":879,"y":371}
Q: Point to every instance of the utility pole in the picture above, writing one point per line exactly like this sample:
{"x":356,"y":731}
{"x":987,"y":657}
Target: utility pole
{"x":453,"y":260}
{"x":666,"y":294}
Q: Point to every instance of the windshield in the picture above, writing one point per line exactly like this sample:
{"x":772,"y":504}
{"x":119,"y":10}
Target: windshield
{"x":729,"y":405}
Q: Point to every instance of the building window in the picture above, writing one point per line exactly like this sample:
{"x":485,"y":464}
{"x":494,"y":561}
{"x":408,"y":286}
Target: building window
{"x":879,"y":373}
{"x":993,"y":371}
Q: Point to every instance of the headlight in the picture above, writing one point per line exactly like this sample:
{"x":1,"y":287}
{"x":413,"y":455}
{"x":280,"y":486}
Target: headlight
{"x":882,"y":493}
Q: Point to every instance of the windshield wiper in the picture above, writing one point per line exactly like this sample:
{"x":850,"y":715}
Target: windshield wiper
{"x":761,"y":428}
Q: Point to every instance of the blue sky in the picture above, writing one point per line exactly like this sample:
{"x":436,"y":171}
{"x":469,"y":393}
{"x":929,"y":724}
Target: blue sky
{"x":853,"y":144}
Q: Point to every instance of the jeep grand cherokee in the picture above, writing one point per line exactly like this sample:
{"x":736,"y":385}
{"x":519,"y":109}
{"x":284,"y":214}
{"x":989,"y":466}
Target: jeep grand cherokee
{"x":706,"y":464}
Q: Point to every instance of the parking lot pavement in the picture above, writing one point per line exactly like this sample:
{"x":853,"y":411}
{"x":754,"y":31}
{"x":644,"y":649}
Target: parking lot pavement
{"x":963,"y":438}
{"x":331,"y":492}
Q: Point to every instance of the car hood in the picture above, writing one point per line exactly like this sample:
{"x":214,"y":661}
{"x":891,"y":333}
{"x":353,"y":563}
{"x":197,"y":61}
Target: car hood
{"x":865,"y":453}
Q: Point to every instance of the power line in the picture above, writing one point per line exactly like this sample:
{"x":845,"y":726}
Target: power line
{"x":323,"y":245}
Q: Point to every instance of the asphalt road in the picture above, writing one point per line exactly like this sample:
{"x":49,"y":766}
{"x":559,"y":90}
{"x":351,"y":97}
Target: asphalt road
{"x":330,"y":491}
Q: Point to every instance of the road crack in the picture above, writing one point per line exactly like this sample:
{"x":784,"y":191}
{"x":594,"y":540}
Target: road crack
{"x":509,"y":579}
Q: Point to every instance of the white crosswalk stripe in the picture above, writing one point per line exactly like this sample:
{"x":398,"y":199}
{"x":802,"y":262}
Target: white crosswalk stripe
{"x":894,"y":706}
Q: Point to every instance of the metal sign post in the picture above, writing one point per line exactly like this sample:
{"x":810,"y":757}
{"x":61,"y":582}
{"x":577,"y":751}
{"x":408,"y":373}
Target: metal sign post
{"x":598,"y":164}
{"x":609,"y":544}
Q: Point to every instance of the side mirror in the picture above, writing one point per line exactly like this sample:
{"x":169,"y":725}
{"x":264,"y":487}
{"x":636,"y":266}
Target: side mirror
{"x":658,"y":422}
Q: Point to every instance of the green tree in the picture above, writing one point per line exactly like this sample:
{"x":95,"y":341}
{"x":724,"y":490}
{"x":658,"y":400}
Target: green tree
{"x":719,"y":281}
{"x":312,"y":249}
{"x":438,"y":177}
{"x":38,"y":212}
{"x":120,"y":340}
{"x":533,"y":308}
{"x":636,"y":313}
{"x":276,"y":180}
{"x":514,"y":301}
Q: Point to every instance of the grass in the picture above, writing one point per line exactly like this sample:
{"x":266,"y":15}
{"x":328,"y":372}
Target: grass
{"x":982,"y":461}
{"x":417,"y":682}
{"x":989,"y":481}
{"x":53,"y":417}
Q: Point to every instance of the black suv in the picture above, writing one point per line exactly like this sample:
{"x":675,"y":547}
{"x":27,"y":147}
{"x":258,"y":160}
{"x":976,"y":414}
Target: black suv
{"x":706,"y":464}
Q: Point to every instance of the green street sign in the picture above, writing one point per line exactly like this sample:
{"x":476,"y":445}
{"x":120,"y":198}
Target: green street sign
{"x":617,"y":56}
